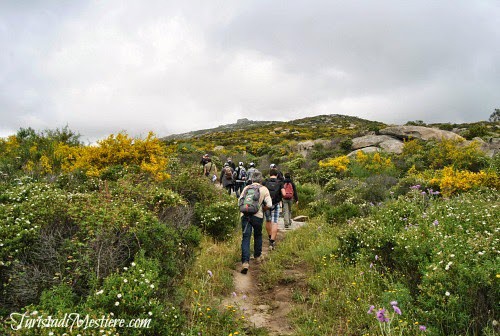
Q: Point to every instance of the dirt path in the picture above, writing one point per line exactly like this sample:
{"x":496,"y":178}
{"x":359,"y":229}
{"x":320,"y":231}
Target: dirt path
{"x":266,"y":309}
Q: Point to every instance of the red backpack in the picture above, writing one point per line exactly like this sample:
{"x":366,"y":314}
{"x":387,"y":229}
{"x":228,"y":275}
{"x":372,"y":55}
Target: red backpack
{"x":288,"y":191}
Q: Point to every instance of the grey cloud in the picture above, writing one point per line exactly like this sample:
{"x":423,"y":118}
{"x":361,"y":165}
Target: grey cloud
{"x":172,"y":66}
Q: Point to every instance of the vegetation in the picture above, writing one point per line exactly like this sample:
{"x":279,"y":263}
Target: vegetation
{"x":128,"y":228}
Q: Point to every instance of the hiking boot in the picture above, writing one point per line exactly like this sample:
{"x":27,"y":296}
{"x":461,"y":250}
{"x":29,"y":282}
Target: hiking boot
{"x":258,"y":259}
{"x":272,"y":245}
{"x":288,"y":227}
{"x":244,"y":268}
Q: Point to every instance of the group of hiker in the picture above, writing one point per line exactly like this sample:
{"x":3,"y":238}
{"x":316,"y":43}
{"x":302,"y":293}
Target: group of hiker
{"x":257,"y":198}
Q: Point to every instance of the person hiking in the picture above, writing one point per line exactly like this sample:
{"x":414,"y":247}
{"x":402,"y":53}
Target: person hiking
{"x":203,"y":161}
{"x":280,"y":174}
{"x":240,"y":178}
{"x":289,"y":196}
{"x":210,"y":170}
{"x":254,"y":200}
{"x":250,"y":172}
{"x":231,"y":163}
{"x":226,"y":178}
{"x":274,"y":186}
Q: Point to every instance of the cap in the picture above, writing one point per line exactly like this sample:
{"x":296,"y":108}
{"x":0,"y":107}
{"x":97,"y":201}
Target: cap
{"x":240,"y":163}
{"x":229,"y":159}
{"x":272,"y":165}
{"x":252,"y":164}
{"x":226,"y":164}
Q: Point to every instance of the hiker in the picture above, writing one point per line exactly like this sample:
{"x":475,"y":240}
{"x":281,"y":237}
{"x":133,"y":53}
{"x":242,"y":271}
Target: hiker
{"x":289,"y":196}
{"x":274,"y":186}
{"x":239,"y":176}
{"x":231,"y":163}
{"x":254,"y":200}
{"x":210,"y":170}
{"x":250,"y":172}
{"x":226,"y":178}
{"x":203,"y":162}
{"x":280,"y":174}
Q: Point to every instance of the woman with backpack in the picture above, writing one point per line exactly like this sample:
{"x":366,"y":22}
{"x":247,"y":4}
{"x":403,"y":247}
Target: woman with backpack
{"x":226,"y":178}
{"x":289,"y":196}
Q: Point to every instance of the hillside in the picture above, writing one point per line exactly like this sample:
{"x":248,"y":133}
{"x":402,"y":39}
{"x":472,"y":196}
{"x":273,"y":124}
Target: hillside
{"x":130,"y":229}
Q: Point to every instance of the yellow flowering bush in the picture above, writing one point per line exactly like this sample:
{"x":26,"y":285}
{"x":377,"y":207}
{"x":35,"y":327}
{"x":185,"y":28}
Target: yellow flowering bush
{"x":451,"y":181}
{"x":339,"y":164}
{"x":149,"y":154}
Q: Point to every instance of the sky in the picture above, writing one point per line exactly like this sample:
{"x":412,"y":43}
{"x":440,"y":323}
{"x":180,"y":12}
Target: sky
{"x":101,"y":67}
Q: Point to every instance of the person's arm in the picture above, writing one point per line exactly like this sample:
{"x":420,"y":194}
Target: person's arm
{"x":295,"y":194}
{"x":268,"y":202}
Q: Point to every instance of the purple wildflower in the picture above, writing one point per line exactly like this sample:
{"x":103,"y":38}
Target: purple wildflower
{"x":423,"y":328}
{"x":394,"y":303}
{"x":371,"y":309}
{"x":423,"y":193}
{"x":244,"y":297}
{"x":376,"y":257}
{"x":233,"y":294}
{"x":371,"y":265}
{"x":417,"y":186}
{"x":381,"y":316}
{"x":436,"y":193}
{"x":396,"y":309}
{"x":435,"y":223}
{"x":210,"y":274}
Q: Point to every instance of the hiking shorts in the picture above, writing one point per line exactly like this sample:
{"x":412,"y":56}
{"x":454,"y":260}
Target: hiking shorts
{"x":273,"y":214}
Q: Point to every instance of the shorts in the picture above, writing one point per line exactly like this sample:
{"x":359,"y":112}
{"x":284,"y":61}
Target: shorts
{"x":273,"y":214}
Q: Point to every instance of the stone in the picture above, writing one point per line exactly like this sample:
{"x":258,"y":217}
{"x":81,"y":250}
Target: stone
{"x":366,"y":150}
{"x":301,"y":219}
{"x":420,"y":132}
{"x":392,"y":146}
{"x":218,"y":148}
{"x":369,"y":140}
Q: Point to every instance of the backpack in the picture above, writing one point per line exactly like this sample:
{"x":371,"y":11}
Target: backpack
{"x":228,"y":173}
{"x":249,"y":201}
{"x":274,"y":187}
{"x":242,"y":174}
{"x":288,"y":191}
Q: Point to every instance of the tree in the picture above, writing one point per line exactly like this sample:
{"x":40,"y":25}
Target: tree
{"x":495,"y":116}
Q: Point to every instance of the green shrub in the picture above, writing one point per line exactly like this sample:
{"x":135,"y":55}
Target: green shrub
{"x":218,"y":219}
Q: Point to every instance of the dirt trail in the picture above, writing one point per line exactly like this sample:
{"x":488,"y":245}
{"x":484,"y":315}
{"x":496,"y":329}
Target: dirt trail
{"x":262,"y":308}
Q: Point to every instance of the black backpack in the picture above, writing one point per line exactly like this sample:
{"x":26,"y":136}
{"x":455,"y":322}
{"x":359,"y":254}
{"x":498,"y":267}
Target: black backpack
{"x":274,"y":187}
{"x":249,"y":201}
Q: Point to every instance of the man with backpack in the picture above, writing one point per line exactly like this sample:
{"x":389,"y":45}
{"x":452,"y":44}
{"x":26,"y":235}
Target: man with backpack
{"x":210,"y":170}
{"x":254,"y":200}
{"x":274,"y":186}
{"x":289,"y":196}
{"x":226,"y":178}
{"x":279,"y":175}
{"x":250,"y":172}
{"x":231,"y":163}
{"x":240,"y":178}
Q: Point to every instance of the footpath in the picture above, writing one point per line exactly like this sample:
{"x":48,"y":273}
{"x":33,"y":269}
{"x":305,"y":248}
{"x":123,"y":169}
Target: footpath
{"x":263,"y":308}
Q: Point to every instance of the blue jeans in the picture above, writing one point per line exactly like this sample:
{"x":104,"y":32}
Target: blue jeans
{"x":247,"y":224}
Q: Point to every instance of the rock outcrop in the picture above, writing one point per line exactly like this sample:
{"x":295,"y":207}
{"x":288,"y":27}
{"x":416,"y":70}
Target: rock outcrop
{"x":369,"y":140}
{"x":305,"y":147}
{"x":366,"y":150}
{"x":419,"y":132}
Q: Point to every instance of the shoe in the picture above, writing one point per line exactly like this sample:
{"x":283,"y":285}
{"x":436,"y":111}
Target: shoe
{"x":287,"y":227}
{"x":244,"y":270}
{"x":258,"y":259}
{"x":272,"y":246}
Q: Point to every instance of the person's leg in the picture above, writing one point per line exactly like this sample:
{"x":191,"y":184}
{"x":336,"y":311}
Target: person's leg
{"x":274,"y":225}
{"x":287,"y":212}
{"x":246,"y":228}
{"x":257,"y":236}
{"x":269,"y":225}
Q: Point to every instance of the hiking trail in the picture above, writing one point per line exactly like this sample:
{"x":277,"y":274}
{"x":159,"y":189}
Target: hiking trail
{"x":264,"y":308}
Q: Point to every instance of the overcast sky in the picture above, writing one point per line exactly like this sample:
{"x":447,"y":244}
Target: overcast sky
{"x":174,"y":66}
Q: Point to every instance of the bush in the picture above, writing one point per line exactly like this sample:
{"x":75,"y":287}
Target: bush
{"x":218,"y":219}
